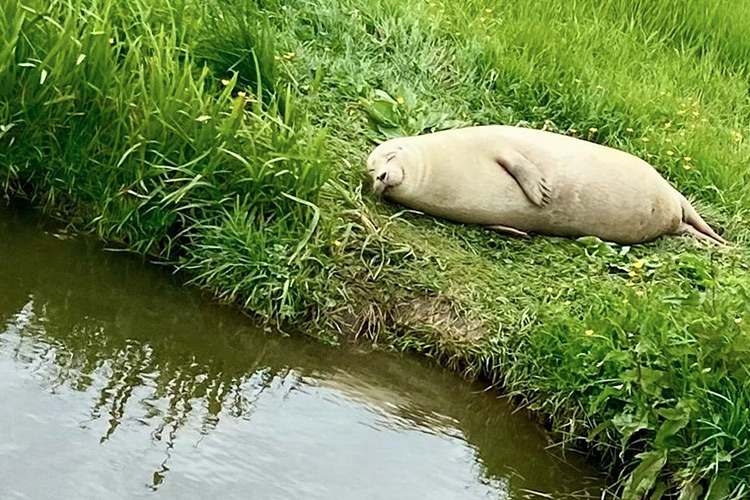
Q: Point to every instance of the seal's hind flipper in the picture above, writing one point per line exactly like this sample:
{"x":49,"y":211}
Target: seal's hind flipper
{"x":695,"y":222}
{"x":528,"y":176}
{"x":688,"y":230}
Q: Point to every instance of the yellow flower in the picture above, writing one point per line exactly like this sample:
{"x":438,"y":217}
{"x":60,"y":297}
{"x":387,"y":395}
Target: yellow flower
{"x":738,"y":320}
{"x":481,"y":19}
{"x":631,"y":274}
{"x":668,"y":125}
{"x":687,"y":158}
{"x":639,"y":293}
{"x":599,"y":87}
{"x":737,"y":136}
{"x":639,"y":263}
{"x":289,"y":55}
{"x":593,"y":130}
{"x":625,"y":301}
{"x":670,"y":152}
{"x":337,"y":243}
{"x":628,"y":129}
{"x":572,"y":131}
{"x":225,"y":82}
{"x":687,"y":166}
{"x":549,"y":289}
{"x":400,"y":100}
{"x":488,"y":11}
{"x":589,"y":332}
{"x":649,"y":155}
{"x":662,"y":93}
{"x":645,"y":139}
{"x":111,"y":41}
{"x":277,"y":58}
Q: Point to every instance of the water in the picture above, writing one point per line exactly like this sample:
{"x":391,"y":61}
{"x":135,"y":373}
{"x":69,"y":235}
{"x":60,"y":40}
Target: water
{"x":118,"y":383}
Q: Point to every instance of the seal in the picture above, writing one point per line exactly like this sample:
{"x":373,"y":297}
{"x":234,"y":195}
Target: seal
{"x":517,"y":181}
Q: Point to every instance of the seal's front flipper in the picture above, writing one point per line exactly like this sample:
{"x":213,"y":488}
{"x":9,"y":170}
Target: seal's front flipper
{"x":528,"y":176}
{"x":508,"y":230}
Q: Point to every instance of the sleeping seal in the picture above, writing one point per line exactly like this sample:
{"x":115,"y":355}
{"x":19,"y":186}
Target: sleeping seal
{"x":518,"y":181}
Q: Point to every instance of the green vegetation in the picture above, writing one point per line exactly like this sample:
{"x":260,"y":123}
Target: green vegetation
{"x":227,"y":139}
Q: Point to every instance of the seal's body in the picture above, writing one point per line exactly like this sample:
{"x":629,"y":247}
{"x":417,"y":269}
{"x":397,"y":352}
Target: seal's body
{"x":520,"y":180}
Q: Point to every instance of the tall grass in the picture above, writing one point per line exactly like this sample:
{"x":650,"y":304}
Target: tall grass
{"x":109,"y":118}
{"x":192,"y":132}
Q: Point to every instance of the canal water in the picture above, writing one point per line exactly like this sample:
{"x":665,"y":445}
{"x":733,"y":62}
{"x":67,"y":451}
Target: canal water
{"x":116,"y":382}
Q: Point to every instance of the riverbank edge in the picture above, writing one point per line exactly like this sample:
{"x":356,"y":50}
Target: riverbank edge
{"x":430,"y":327}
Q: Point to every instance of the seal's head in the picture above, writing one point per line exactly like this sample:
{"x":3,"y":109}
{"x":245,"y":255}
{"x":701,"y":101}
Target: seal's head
{"x":386,"y":166}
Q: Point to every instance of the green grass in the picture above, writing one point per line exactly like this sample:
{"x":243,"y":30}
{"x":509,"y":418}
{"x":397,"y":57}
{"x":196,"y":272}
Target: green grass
{"x":227,"y":139}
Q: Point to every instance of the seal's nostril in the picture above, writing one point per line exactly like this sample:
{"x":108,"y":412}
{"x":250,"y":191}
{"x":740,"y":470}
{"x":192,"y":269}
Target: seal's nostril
{"x":382,"y":177}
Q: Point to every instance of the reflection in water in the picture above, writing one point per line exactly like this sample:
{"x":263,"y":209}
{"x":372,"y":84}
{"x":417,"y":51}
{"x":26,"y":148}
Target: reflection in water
{"x":118,"y":383}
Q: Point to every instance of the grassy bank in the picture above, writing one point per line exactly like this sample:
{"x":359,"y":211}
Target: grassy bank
{"x":227,"y":140}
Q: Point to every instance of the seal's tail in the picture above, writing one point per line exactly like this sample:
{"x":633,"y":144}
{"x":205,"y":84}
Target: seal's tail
{"x":697,"y":225}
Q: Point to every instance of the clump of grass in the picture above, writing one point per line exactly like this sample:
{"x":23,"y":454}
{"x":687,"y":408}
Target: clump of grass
{"x":235,"y":38}
{"x":192,"y":133}
{"x":124,"y":132}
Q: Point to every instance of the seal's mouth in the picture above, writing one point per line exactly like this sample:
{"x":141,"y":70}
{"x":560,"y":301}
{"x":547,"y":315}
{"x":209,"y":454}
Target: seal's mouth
{"x":380,"y":187}
{"x":387,"y":180}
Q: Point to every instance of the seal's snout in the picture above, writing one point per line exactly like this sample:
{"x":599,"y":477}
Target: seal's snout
{"x":387,"y":176}
{"x":385,"y":168}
